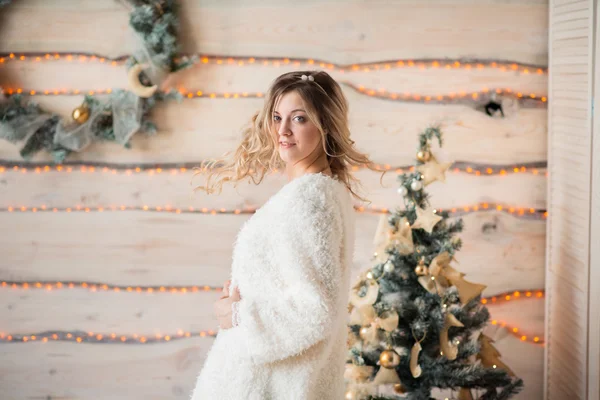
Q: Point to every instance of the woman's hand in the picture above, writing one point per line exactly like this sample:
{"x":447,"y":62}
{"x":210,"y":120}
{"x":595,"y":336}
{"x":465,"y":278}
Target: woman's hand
{"x":222,"y":307}
{"x":226,"y":288}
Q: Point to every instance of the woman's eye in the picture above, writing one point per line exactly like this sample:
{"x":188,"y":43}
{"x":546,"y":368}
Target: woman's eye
{"x":301,"y":119}
{"x":276,"y":118}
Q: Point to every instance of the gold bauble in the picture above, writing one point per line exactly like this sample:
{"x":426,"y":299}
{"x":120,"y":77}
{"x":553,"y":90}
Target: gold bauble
{"x":81,"y":114}
{"x":399,"y":388}
{"x":389,"y":358}
{"x":423,"y":156}
{"x":421,"y":270}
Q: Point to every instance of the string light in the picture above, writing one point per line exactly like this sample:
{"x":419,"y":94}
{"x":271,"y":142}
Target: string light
{"x":462,"y":97}
{"x":161,"y":209}
{"x":76,"y":92}
{"x":99,"y":286}
{"x":529,"y":213}
{"x":514,"y":295}
{"x":535,"y":168}
{"x":448,"y":64}
{"x":516,"y":332}
{"x":54,"y":92}
{"x":521,"y":212}
{"x":91,"y":337}
{"x":37,"y":57}
{"x":114,"y":338}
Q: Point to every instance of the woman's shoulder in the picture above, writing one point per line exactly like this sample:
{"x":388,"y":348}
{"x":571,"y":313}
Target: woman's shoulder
{"x":313,"y":190}
{"x":308,"y":207}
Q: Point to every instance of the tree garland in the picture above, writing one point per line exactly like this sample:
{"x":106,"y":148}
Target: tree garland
{"x":123,"y":113}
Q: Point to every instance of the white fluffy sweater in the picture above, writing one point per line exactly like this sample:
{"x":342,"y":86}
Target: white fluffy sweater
{"x":291,"y":263}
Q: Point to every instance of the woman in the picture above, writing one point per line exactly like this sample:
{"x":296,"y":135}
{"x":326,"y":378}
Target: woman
{"x":283,"y":323}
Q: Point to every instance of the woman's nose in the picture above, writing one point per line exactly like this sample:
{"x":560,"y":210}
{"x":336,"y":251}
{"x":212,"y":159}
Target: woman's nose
{"x":283,"y":128}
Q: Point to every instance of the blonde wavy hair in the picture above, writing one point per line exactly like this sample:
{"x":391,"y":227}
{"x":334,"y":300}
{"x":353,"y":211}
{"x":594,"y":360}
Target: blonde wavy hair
{"x":326,"y":107}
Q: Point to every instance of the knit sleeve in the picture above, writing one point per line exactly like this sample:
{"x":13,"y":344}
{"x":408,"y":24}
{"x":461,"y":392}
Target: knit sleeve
{"x":297,"y":314}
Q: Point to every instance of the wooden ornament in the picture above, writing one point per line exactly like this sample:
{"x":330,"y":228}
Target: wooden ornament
{"x":133,"y":77}
{"x":415,"y":368}
{"x":369,"y":298}
{"x":467,"y":291}
{"x":433,"y":171}
{"x":386,"y":376}
{"x":490,"y":356}
{"x":449,"y":350}
{"x":426,"y":219}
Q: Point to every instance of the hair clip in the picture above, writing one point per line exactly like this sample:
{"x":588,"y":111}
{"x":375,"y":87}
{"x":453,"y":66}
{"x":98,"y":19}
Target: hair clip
{"x":309,"y":77}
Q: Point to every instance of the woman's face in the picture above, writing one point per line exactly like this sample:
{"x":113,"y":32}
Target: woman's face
{"x":297,"y":137}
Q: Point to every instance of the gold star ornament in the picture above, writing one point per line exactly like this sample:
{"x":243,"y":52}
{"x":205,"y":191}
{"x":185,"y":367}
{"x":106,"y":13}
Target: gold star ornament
{"x":433,"y":171}
{"x":426,"y":219}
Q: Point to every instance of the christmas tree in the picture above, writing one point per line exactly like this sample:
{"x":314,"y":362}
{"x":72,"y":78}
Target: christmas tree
{"x":415,"y":322}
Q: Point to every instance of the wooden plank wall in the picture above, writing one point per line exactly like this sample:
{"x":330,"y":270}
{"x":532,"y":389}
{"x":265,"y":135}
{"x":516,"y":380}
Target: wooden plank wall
{"x":149,"y":249}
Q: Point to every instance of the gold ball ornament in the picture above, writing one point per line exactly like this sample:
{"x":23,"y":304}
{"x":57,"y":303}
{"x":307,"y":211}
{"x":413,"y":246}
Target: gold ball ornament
{"x":421,"y":270}
{"x":423,"y":156}
{"x":389,"y":358}
{"x":81,"y":114}
{"x":399,"y":388}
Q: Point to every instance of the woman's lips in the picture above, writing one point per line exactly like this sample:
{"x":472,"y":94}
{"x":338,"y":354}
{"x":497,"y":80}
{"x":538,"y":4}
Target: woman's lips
{"x":287,"y":145}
